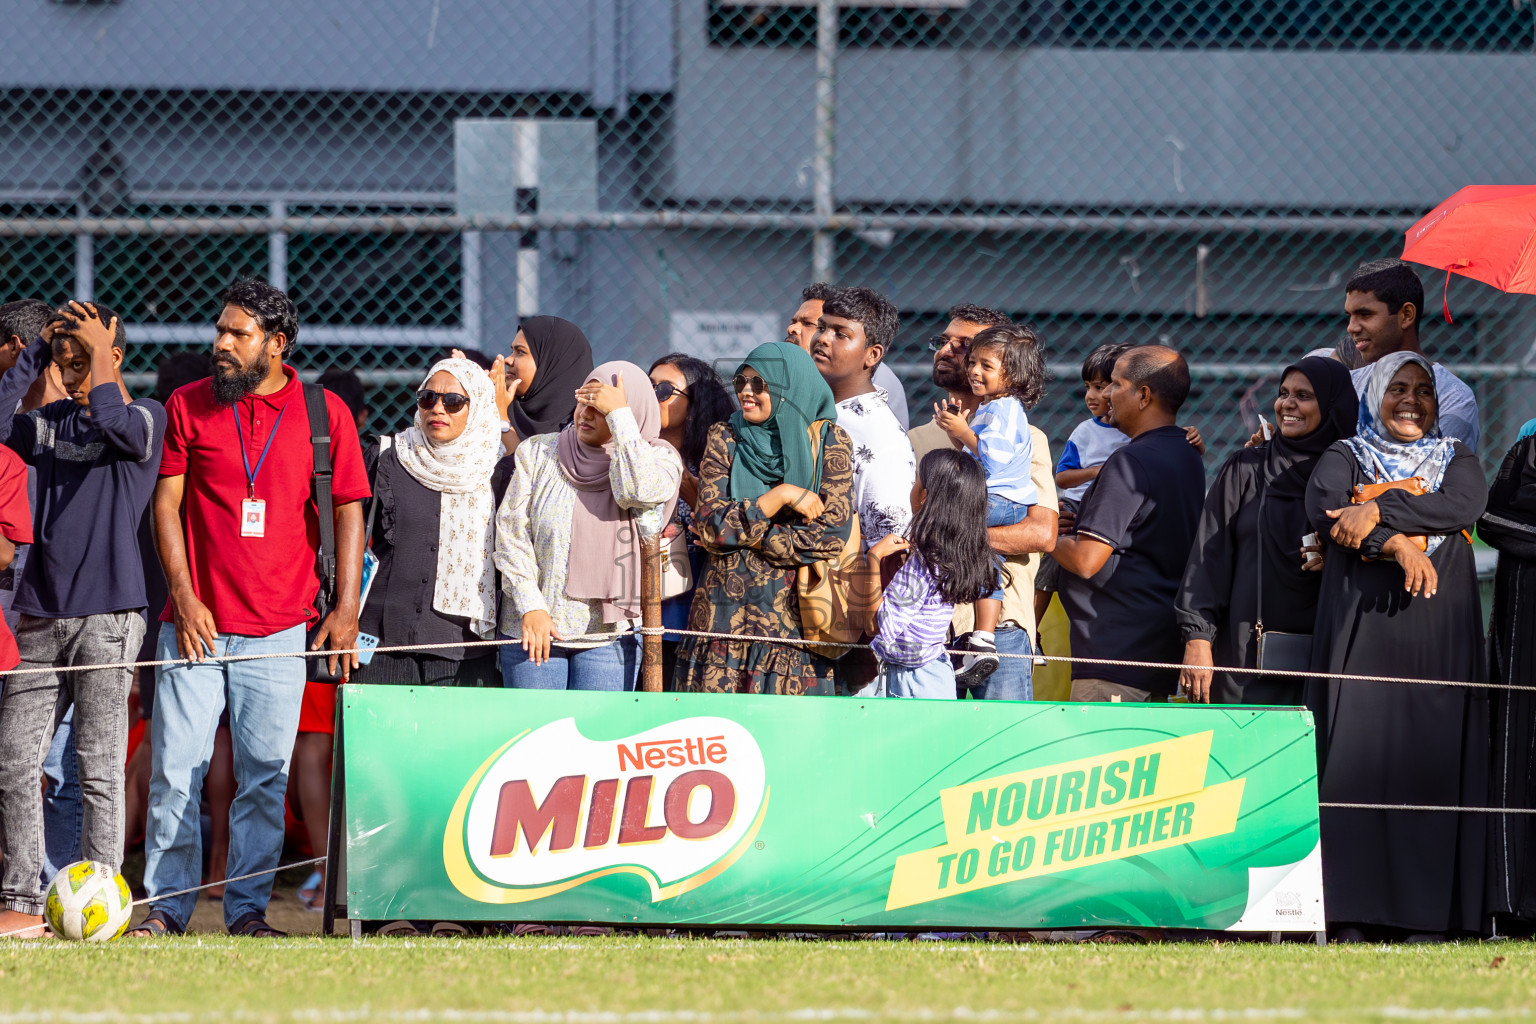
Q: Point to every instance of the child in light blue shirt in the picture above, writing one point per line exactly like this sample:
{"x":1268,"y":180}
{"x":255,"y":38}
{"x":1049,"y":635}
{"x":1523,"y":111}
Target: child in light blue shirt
{"x":1095,"y":439}
{"x":1090,"y":445}
{"x":1007,"y":370}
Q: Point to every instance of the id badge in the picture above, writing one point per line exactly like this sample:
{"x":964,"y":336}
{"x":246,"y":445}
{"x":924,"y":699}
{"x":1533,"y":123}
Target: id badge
{"x":253,"y":518}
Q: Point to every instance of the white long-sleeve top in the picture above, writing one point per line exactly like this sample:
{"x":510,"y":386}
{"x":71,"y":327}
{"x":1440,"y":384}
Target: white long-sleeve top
{"x":533,"y":525}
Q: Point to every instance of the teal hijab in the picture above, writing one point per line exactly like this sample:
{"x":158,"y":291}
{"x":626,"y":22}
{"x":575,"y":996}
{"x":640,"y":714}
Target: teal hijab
{"x":778,"y":450}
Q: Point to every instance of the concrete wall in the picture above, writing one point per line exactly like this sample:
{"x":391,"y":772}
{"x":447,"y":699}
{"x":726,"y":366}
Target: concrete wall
{"x":1169,"y":128}
{"x":604,"y":48}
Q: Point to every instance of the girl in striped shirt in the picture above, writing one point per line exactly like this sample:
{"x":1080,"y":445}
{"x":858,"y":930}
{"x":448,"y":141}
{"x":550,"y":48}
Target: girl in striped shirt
{"x":949,"y":562}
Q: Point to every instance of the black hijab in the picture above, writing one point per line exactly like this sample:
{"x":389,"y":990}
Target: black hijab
{"x":1289,"y":462}
{"x":564,"y":361}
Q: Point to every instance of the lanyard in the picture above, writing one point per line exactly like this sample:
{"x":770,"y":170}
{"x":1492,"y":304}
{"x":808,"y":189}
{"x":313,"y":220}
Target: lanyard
{"x":250,"y":474}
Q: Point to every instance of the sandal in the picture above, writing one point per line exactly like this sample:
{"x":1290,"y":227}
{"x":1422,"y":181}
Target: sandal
{"x":312,"y":892}
{"x":254,"y":926}
{"x":1115,"y":937}
{"x":520,"y":930}
{"x":398,"y":929}
{"x":152,"y":927}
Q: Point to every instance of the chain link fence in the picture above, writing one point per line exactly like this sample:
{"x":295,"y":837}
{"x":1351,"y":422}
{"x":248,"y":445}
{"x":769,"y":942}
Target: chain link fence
{"x":670,"y":173}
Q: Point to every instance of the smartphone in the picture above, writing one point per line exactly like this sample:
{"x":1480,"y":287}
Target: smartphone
{"x":370,"y":569}
{"x":1265,"y":429}
{"x":366,"y":642}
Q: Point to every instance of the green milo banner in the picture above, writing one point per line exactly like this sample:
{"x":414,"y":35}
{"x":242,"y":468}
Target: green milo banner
{"x":699,"y":809}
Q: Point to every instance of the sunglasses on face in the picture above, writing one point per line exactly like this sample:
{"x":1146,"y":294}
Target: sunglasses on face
{"x":665,"y":389}
{"x":453,"y":402}
{"x":754,"y":384}
{"x":938,"y":343}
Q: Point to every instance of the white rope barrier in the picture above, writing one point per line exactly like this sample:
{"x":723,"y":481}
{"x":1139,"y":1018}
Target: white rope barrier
{"x":595,"y":639}
{"x":1338,"y":806}
{"x":226,"y":881}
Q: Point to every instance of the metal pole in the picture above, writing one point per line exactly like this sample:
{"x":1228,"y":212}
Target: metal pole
{"x":697,"y":220}
{"x":85,"y":263}
{"x":335,"y":895}
{"x":824,"y":155}
{"x":277,"y":248}
{"x":650,"y":613}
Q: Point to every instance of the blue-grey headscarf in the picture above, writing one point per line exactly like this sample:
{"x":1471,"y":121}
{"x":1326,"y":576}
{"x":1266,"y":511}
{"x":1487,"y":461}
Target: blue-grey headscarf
{"x":1383,"y":458}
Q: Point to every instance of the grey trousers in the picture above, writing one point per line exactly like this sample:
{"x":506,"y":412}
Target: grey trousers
{"x":31,"y":707}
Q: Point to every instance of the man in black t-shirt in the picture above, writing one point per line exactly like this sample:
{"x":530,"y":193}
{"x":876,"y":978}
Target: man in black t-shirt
{"x":1125,"y":554}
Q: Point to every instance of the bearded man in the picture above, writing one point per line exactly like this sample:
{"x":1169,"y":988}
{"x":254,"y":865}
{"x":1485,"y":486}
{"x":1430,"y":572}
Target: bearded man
{"x":237,"y":531}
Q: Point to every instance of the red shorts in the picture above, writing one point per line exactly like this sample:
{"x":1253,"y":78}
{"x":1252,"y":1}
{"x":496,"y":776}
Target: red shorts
{"x":318,"y":713}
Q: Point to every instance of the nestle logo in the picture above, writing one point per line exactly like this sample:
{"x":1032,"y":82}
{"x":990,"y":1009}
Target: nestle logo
{"x":655,"y":754}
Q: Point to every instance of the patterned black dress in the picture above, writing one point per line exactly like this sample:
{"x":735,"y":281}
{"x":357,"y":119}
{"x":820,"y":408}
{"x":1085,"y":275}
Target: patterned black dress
{"x":749,"y":587}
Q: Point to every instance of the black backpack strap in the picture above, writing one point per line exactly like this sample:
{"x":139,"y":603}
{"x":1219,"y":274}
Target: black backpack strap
{"x":320,"y":438}
{"x":372,"y":455}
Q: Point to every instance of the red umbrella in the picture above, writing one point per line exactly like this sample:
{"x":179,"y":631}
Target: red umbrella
{"x":1485,"y":232}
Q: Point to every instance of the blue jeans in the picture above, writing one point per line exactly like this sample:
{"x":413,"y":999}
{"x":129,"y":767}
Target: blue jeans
{"x":264,"y":700}
{"x":1014,"y":678}
{"x":1003,"y":512}
{"x":63,"y":809}
{"x":613,"y":666}
{"x":933,"y":681}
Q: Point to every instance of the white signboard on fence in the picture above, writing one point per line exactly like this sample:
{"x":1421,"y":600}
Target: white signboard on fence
{"x":723,"y":337}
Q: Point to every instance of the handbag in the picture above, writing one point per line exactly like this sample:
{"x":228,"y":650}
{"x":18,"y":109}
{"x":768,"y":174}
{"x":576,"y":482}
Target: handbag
{"x":1370,"y":492}
{"x":830,"y":609}
{"x":1414,"y":485}
{"x":676,"y":565}
{"x":319,"y":669}
{"x":1274,"y":650}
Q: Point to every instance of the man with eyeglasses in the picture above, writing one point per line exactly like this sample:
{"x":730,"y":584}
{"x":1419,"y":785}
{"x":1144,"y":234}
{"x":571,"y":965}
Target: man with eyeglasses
{"x":237,"y":533}
{"x":802,"y":327}
{"x":1020,"y":543}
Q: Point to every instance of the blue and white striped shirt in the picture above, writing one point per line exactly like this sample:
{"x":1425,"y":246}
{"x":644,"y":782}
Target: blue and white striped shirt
{"x":1004,"y":448}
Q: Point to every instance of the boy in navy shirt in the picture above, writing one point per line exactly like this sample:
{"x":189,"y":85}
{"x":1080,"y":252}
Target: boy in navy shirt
{"x":81,"y":595}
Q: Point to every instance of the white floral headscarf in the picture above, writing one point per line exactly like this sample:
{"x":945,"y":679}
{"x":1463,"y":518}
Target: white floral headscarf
{"x":460,"y":470}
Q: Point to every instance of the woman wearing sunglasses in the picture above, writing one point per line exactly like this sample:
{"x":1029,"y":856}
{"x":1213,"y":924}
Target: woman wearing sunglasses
{"x":693,"y":399}
{"x":568,"y":543}
{"x":767,"y":505}
{"x":433,"y":533}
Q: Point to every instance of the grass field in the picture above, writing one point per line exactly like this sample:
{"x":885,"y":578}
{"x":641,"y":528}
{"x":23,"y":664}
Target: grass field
{"x":700,"y":981}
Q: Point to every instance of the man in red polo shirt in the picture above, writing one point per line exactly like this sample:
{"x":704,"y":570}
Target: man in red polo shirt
{"x":238,"y":531}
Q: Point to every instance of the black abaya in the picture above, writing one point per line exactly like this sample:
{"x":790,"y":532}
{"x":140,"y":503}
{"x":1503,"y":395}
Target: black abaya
{"x":1512,"y":661}
{"x":1218,"y":600}
{"x":1401,"y":743}
{"x":1256,"y":511}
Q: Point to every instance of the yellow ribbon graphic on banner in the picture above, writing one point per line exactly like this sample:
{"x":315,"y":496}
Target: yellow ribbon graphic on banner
{"x":1069,"y":815}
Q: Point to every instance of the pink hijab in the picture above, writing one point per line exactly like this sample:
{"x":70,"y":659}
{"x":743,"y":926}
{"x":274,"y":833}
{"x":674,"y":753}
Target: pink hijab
{"x":605,"y":546}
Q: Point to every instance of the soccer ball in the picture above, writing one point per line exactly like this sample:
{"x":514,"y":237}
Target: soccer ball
{"x":89,"y":902}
